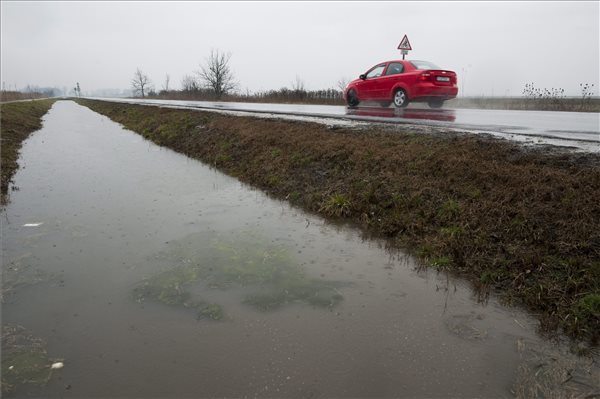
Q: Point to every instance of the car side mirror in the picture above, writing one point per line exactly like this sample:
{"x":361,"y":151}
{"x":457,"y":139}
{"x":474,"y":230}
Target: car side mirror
{"x":362,"y":77}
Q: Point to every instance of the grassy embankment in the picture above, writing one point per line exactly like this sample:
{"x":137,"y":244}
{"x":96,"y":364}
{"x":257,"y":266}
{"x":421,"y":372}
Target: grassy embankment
{"x":17,"y":121}
{"x":527,"y":104}
{"x":524,"y":222}
{"x":6,"y":95}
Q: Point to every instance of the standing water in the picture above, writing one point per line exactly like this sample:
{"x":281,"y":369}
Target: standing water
{"x":149,"y":274}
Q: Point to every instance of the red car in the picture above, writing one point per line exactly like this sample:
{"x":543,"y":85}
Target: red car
{"x":401,"y":82}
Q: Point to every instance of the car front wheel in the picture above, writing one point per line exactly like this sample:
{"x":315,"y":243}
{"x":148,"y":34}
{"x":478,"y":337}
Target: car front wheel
{"x":400,"y":99}
{"x":352,"y":98}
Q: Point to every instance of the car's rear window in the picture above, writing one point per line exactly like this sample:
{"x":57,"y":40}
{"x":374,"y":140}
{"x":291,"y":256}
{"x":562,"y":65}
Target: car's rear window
{"x":424,"y":65}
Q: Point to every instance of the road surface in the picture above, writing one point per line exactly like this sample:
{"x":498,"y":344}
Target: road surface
{"x":570,"y":129}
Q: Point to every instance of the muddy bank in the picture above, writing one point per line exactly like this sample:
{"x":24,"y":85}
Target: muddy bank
{"x":524,"y":222}
{"x":18,"y":120}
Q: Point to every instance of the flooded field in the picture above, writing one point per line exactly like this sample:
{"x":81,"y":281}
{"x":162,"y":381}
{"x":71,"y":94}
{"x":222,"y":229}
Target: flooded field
{"x":144,"y":273}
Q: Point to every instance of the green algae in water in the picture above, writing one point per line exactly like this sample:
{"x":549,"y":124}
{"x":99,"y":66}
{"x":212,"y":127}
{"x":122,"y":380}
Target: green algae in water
{"x":252,"y":262}
{"x":18,"y":273}
{"x":170,"y":288}
{"x":24,"y":359}
{"x":234,"y":261}
{"x":313,"y":292}
{"x":210,"y":311}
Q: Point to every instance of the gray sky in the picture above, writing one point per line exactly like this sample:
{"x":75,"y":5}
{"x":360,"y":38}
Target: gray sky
{"x":494,"y":47}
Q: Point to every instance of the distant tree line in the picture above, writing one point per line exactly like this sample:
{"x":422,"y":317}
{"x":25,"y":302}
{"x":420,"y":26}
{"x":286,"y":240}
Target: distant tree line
{"x":28,"y":93}
{"x":215,"y":81}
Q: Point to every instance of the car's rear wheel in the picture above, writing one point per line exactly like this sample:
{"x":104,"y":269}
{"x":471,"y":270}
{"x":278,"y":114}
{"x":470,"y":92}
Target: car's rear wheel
{"x":352,"y":98}
{"x":436,"y":103}
{"x":400,"y":99}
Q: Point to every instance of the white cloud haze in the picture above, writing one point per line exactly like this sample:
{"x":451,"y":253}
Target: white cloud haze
{"x":494,"y":47}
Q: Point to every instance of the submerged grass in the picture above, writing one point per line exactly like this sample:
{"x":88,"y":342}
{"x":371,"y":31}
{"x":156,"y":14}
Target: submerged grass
{"x":269,"y":277}
{"x":18,"y":273}
{"x":171,"y":288}
{"x":17,"y":121}
{"x":24,"y":359}
{"x":525,"y":222}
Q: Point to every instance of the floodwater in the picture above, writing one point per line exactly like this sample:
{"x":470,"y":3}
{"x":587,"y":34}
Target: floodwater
{"x":157,"y":276}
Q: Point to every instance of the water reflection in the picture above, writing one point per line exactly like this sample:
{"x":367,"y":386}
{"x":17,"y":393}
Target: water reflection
{"x":446,"y":115}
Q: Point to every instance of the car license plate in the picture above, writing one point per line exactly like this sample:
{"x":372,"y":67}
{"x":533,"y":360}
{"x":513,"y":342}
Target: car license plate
{"x":442,"y":78}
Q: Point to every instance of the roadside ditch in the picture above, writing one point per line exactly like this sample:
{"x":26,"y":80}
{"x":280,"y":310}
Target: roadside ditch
{"x":521,"y":221}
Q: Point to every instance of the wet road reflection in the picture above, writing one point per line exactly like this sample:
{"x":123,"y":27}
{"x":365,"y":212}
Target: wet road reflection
{"x":447,"y":115}
{"x":152,"y":275}
{"x":572,"y":129}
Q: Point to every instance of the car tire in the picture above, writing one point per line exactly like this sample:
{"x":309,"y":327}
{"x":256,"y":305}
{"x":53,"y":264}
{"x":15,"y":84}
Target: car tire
{"x":400,"y":99}
{"x":435,"y":103}
{"x":352,"y":98}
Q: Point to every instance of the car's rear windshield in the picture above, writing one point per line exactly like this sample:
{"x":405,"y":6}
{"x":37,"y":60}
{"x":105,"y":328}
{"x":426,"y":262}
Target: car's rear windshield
{"x":424,"y":65}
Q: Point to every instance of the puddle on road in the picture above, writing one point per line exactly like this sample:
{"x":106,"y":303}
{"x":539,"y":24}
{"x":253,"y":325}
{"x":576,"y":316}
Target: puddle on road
{"x":170,"y":279}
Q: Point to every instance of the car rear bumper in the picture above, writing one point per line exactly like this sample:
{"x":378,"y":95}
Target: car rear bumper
{"x":434,"y":90}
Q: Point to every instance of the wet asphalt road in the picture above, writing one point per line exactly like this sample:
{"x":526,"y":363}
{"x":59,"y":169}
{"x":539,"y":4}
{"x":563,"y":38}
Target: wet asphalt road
{"x":569,"y":129}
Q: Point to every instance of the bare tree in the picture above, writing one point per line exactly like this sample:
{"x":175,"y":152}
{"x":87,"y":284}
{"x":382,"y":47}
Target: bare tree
{"x":342,"y":83}
{"x":189,"y":83}
{"x":216,"y":74}
{"x":140,"y":83}
{"x":298,"y":90}
{"x":166,"y":84}
{"x":298,"y":85}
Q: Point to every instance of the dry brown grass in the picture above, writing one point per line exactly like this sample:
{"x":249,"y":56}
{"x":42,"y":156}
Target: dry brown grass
{"x":6,"y":95}
{"x":581,"y":104}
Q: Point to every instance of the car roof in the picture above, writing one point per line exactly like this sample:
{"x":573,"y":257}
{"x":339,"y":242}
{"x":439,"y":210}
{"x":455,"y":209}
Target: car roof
{"x":385,"y":62}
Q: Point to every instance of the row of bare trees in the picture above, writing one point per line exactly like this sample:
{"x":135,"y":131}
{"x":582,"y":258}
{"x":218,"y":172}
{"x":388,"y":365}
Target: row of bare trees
{"x":215,"y":80}
{"x":215,"y":76}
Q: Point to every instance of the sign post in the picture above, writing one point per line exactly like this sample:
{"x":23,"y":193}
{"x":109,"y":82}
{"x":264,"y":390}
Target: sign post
{"x":404,"y":46}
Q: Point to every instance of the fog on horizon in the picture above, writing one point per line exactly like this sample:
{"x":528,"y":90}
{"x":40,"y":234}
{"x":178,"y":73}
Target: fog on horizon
{"x":496,"y":48}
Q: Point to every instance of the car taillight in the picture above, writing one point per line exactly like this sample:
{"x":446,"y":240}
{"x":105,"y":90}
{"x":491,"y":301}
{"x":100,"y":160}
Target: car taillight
{"x":426,"y":76}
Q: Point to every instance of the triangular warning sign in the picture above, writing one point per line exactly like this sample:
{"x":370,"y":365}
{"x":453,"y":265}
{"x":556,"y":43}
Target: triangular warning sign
{"x":404,"y":44}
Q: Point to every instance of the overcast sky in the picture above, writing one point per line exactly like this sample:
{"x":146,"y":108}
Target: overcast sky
{"x":494,"y":47}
